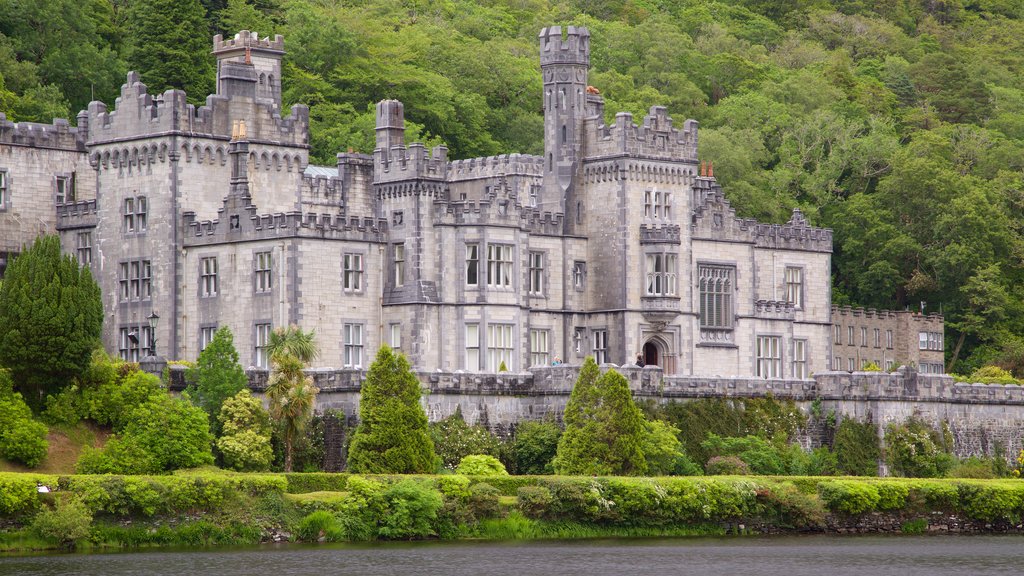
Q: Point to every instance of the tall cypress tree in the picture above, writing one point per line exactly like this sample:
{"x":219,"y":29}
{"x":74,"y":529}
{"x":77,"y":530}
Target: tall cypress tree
{"x":392,"y":437}
{"x":604,"y":429}
{"x":217,"y":376}
{"x":50,"y":319}
{"x":169,"y":45}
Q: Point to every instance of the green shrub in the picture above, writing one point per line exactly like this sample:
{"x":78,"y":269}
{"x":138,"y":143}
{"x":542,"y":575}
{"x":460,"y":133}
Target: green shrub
{"x":533,"y":501}
{"x":726,"y":466}
{"x":857,"y":448}
{"x":915,"y":450}
{"x":17,"y":493}
{"x":22,"y":439}
{"x":533,"y":447}
{"x":604,"y":429}
{"x":453,"y":486}
{"x":990,"y":375}
{"x":454,"y":439}
{"x":25,"y":442}
{"x":976,"y":467}
{"x":67,"y":522}
{"x":662,"y":448}
{"x":787,"y":506}
{"x":65,"y":407}
{"x":300,"y":482}
{"x":114,"y":401}
{"x":412,"y":508}
{"x":892,"y":495}
{"x":245,"y":433}
{"x":991,"y":502}
{"x":760,"y":455}
{"x":484,"y":501}
{"x":216,"y":377}
{"x":850,"y":497}
{"x":320,"y":524}
{"x":481,"y":465}
{"x":162,"y":434}
{"x":392,"y":437}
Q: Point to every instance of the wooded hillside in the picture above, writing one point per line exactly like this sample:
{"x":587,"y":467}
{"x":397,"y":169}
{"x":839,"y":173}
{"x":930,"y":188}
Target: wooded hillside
{"x":898,"y":123}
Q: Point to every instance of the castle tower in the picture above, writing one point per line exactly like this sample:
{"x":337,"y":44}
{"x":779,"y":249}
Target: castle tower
{"x":390,"y":126}
{"x":564,"y":61}
{"x":264,"y":55}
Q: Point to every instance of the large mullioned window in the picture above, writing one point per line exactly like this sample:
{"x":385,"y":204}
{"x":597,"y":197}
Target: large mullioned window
{"x":716,"y":295}
{"x":661,"y":275}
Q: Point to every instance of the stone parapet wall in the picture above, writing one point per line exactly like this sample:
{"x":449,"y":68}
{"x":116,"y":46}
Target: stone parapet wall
{"x":59,"y":135}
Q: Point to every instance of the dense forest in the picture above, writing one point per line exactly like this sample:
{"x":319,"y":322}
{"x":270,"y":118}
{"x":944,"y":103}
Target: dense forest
{"x":898,"y":123}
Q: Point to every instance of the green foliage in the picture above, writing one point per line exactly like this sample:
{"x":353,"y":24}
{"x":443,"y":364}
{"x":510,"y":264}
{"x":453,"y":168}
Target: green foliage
{"x":392,"y":436}
{"x":760,"y":456}
{"x":245,"y":440}
{"x":22,"y":439}
{"x":726,"y":466}
{"x":52,"y":315}
{"x":17,"y":493}
{"x":533,"y":447}
{"x":481,"y":465}
{"x":412,"y":508}
{"x":484,"y":501}
{"x":320,"y":524}
{"x":169,"y":42}
{"x":990,"y":375}
{"x":766,"y":418}
{"x":290,"y":392}
{"x":67,"y":522}
{"x":533,"y":501}
{"x":849,"y":497}
{"x":604,"y":429}
{"x":160,"y":435}
{"x":916,"y":450}
{"x":454,"y":439}
{"x":216,"y":376}
{"x":857,"y":448}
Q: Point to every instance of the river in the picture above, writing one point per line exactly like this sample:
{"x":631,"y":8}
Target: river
{"x":776,"y":556}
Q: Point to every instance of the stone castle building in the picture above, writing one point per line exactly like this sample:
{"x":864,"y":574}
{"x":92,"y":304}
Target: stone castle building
{"x":614,"y":242}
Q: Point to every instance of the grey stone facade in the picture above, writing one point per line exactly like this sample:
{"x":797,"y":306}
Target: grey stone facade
{"x":613,"y":242}
{"x":887,"y":339}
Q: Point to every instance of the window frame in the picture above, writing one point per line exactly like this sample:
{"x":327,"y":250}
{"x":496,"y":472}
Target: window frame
{"x":599,"y":339}
{"x":472,"y":338}
{"x":768,"y":356}
{"x":263,"y":272}
{"x":209,"y":283}
{"x":500,"y":260}
{"x":535,"y":274}
{"x":660,"y":274}
{"x":83,"y":250}
{"x":579,"y":275}
{"x":352,"y":345}
{"x":352,"y":268}
{"x":716,"y":307}
{"x":473,"y":264}
{"x":794,"y":281}
{"x":261,"y":337}
{"x":500,"y":345}
{"x":5,"y":188}
{"x":799,"y":361}
{"x":540,"y":355}
{"x":206,"y":334}
{"x":398,"y":261}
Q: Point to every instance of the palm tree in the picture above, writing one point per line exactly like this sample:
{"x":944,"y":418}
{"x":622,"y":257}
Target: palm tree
{"x":291,"y":393}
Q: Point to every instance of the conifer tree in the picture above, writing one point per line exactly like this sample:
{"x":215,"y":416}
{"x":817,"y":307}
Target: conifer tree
{"x":604,"y":429}
{"x":50,"y":319}
{"x":392,"y":437}
{"x":169,"y":44}
{"x":217,"y":376}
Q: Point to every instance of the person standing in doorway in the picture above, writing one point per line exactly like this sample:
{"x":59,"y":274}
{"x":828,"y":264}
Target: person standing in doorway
{"x":640,"y":360}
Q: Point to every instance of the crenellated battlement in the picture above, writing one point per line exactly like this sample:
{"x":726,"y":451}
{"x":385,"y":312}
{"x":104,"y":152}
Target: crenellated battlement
{"x":655,"y":138}
{"x":410,"y":163}
{"x":495,"y":166}
{"x":138,"y":114}
{"x":494,"y":211}
{"x":247,"y":39}
{"x":664,"y":234}
{"x":774,"y":309}
{"x":571,"y":48}
{"x":871,"y":313}
{"x":81,"y":214}
{"x":715,"y":219}
{"x":251,"y":226}
{"x":57,"y":136}
{"x":795,"y":234}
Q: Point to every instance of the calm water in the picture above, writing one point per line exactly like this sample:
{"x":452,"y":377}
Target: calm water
{"x":788,"y":556}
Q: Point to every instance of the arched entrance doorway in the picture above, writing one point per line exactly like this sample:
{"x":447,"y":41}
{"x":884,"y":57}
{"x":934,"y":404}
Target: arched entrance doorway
{"x":651,"y":354}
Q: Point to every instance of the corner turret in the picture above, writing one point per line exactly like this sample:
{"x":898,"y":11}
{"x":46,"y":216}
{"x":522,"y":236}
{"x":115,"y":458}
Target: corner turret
{"x":564,"y":62}
{"x":264,"y":55}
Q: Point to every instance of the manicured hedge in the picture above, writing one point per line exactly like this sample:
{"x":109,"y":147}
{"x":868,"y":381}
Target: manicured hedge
{"x":669,"y":502}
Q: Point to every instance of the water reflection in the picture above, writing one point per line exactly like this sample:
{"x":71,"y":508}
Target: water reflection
{"x":785,"y":556}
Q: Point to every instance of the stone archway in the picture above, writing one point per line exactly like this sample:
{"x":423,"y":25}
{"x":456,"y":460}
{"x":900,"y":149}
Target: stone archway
{"x":652,"y":356}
